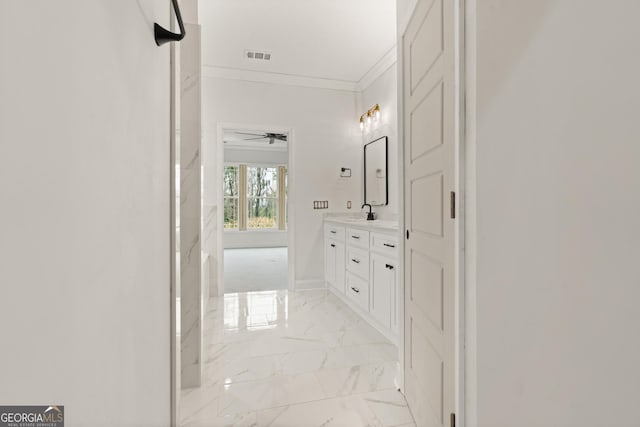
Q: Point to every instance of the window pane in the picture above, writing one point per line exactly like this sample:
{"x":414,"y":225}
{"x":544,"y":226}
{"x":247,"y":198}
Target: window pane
{"x":262,"y":212}
{"x":230,"y":180}
{"x":230,"y":212}
{"x":262,"y":182}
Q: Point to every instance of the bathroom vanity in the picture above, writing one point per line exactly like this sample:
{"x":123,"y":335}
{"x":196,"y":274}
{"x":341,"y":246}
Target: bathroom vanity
{"x":361,"y":268}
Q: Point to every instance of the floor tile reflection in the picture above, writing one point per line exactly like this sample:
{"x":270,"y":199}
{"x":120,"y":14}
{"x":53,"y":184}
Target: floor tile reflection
{"x":279,"y":358}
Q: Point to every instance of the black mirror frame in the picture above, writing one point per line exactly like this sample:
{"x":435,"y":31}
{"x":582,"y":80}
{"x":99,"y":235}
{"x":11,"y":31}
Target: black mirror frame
{"x":386,"y":166}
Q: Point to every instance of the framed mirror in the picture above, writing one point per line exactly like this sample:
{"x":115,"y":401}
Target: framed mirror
{"x":376,"y":180}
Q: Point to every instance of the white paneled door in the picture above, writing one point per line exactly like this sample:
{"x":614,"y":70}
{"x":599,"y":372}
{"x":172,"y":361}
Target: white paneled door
{"x":429,"y":164}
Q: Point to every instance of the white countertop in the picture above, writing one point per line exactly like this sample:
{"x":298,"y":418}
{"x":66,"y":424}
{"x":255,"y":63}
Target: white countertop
{"x":352,"y":221}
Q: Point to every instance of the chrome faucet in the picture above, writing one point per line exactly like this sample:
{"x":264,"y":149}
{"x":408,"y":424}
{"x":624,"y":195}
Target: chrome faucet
{"x":369,"y":214}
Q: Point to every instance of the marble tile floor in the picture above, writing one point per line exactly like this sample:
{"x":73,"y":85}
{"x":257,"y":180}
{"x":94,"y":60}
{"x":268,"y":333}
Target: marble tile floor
{"x":280,"y":359}
{"x":268,"y":269}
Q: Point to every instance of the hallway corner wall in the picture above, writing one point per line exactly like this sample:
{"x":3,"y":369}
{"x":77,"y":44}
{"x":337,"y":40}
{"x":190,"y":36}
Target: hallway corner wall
{"x":85,"y":247}
{"x":557,"y":214}
{"x":194,"y":294}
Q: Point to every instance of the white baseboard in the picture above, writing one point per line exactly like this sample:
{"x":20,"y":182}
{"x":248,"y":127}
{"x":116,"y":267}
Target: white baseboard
{"x":310,"y":284}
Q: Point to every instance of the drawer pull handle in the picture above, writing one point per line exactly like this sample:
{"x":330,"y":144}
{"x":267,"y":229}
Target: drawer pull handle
{"x":389,"y":246}
{"x":355,"y":260}
{"x":389,"y":266}
{"x":356,"y":290}
{"x":333,"y":246}
{"x":355,"y":237}
{"x":333,"y":231}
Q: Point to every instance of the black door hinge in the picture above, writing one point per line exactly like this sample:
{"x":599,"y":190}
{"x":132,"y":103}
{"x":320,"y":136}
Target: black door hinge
{"x":453,"y":205}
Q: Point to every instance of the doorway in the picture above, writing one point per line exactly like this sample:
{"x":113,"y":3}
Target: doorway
{"x":254,"y":189}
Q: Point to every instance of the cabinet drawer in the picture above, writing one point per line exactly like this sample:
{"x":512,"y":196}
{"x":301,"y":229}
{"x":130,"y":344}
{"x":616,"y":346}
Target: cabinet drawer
{"x":358,"y":237}
{"x":333,"y":231}
{"x":358,"y":261}
{"x":385,"y":244}
{"x":358,"y":291}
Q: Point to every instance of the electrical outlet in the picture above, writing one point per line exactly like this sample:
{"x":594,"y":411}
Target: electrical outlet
{"x":320,"y":204}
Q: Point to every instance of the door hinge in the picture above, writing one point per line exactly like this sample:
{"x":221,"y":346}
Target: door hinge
{"x":453,"y":205}
{"x":453,"y":420}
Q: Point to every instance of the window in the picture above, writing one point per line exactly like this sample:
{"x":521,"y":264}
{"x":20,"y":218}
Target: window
{"x":231,"y":199}
{"x":262,"y":204}
{"x":262,"y":197}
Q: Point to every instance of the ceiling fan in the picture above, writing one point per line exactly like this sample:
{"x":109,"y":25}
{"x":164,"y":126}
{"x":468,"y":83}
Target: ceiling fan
{"x":273,"y":137}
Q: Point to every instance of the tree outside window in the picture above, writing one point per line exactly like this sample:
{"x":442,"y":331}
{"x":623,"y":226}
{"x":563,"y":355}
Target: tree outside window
{"x":262,"y":197}
{"x":260,"y":206}
{"x":231,"y":198}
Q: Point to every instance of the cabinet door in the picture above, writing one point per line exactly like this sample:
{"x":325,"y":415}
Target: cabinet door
{"x":330,"y":262}
{"x":383,"y":290}
{"x":339,"y":265}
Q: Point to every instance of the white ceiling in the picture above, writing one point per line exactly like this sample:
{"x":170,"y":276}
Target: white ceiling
{"x":329,"y":39}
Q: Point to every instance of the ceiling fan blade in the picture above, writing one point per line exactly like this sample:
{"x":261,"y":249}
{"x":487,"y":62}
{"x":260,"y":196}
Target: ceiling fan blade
{"x":252,"y":134}
{"x":278,"y":136}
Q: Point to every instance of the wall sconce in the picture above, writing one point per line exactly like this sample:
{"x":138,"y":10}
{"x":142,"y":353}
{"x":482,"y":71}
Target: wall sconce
{"x":372,"y":114}
{"x":375,"y":112}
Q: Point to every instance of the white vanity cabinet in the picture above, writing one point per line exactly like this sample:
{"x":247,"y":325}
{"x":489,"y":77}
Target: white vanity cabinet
{"x":334,"y":257}
{"x":383,"y":289}
{"x":361,"y":267}
{"x":384,"y":280}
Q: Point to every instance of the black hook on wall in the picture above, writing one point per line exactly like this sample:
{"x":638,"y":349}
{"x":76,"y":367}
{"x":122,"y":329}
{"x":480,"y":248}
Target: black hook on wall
{"x":163,"y":35}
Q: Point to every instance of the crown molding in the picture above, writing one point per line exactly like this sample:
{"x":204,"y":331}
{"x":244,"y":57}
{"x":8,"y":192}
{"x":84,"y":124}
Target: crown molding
{"x":277,"y":78}
{"x":383,"y":64}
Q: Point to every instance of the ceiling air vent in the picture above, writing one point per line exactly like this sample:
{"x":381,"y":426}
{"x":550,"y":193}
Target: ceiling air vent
{"x":255,"y":55}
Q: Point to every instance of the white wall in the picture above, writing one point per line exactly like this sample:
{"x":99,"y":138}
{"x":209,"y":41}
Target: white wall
{"x":558,"y":213}
{"x":84,"y":253}
{"x":325,"y":138}
{"x":260,"y":157}
{"x":384,"y":91}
